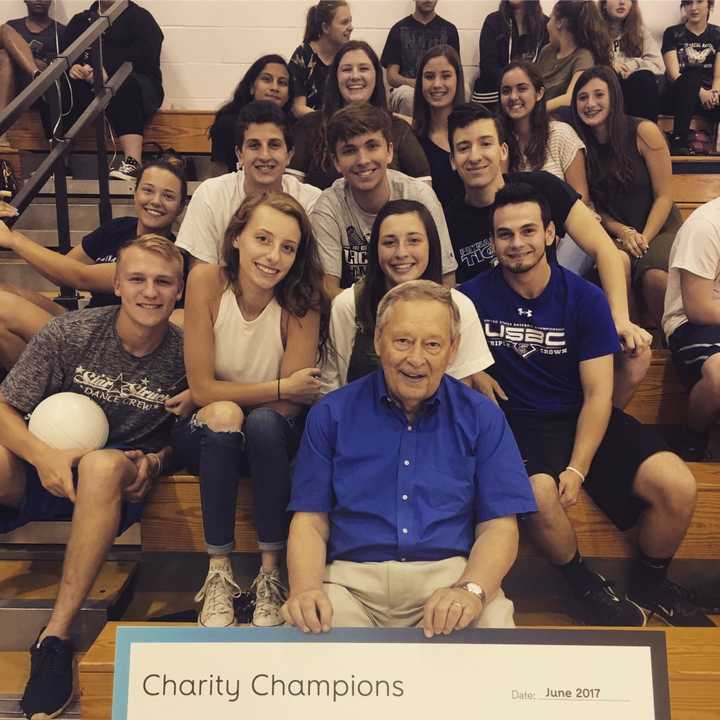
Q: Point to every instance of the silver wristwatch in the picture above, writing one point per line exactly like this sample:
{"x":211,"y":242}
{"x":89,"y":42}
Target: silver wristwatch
{"x":473,"y":588}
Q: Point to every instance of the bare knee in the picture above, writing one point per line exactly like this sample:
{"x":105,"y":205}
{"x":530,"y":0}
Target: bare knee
{"x":666,"y":482}
{"x":633,"y":368}
{"x":105,"y":472}
{"x":546,"y":494}
{"x":222,"y":416}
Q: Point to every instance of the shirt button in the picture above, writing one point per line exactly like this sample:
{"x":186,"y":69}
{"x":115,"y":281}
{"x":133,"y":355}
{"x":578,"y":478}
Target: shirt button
{"x":410,"y":428}
{"x":405,"y":531}
{"x":406,"y":463}
{"x":405,"y":497}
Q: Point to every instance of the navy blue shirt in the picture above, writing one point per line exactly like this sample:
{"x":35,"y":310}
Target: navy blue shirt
{"x":538,"y":344}
{"x":396,"y":490}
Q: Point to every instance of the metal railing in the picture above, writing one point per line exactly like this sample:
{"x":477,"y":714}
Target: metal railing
{"x":54,"y":163}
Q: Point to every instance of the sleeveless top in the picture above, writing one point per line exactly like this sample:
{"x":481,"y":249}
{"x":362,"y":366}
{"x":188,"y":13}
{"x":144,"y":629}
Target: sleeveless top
{"x":364,"y":359}
{"x":247,"y":351}
{"x":631,"y":205}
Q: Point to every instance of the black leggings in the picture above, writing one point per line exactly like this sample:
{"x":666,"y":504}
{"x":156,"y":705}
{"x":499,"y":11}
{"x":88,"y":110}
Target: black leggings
{"x":134,"y":103}
{"x":685,"y":103}
{"x":641,"y":95}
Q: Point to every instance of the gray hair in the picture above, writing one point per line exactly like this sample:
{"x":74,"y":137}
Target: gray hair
{"x":418,"y":290}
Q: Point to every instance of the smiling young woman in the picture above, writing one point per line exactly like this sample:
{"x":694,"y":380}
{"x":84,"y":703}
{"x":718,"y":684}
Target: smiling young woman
{"x":355,"y":76}
{"x":252,"y":331}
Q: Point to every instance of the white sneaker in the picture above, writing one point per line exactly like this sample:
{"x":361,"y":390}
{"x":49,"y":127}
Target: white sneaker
{"x":270,"y":595}
{"x":218,"y":591}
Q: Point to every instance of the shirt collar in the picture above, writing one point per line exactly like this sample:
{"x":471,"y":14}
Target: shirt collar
{"x":383,"y":397}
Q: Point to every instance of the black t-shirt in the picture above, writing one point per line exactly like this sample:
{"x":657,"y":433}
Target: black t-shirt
{"x":134,"y":36}
{"x":471,"y":227}
{"x":445,"y":181}
{"x":44,"y":44}
{"x":408,"y":40}
{"x":102,"y":246}
{"x":694,"y":52}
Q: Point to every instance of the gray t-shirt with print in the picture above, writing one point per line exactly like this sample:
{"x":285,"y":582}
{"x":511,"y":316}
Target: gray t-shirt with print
{"x":81,"y":352}
{"x":342,"y":228}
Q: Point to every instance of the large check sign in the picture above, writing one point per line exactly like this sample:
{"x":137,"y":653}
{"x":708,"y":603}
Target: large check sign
{"x":186,"y":674}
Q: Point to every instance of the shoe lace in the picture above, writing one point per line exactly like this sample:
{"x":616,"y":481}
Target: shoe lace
{"x":51,"y":658}
{"x":682,"y":600}
{"x":218,"y":588}
{"x":269,"y":591}
{"x":603,"y":592}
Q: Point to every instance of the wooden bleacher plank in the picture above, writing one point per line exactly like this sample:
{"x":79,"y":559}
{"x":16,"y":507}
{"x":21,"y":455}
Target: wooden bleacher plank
{"x":661,"y":398}
{"x":14,"y":670}
{"x":693,"y":668}
{"x":172,"y":517}
{"x":172,"y":521}
{"x":39,"y":580}
{"x":186,"y":131}
{"x":695,"y":189}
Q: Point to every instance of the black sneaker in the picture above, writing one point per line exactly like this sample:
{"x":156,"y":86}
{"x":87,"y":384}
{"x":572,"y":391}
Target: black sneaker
{"x":601,"y":605}
{"x":670,"y":602}
{"x":128,"y":169}
{"x":49,"y":689}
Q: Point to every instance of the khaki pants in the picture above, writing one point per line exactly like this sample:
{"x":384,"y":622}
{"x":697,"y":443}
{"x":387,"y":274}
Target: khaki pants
{"x":393,"y":594}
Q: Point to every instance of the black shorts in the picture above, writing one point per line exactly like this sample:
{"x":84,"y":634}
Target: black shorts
{"x":691,"y":345}
{"x":39,"y":505}
{"x":546,"y":445}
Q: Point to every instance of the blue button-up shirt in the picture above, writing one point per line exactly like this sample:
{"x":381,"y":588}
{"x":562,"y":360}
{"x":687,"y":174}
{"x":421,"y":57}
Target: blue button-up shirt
{"x":400,"y":490}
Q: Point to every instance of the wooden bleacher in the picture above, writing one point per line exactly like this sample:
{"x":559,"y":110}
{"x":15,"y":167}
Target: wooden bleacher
{"x":172,"y":519}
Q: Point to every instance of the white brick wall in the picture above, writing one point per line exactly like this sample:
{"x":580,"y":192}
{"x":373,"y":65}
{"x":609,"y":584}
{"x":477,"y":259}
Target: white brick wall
{"x":210,"y":43}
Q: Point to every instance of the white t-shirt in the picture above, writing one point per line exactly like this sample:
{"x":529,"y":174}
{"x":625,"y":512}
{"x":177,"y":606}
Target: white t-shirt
{"x":697,"y":250}
{"x":342,"y":228}
{"x":473,"y":354}
{"x":213,"y":205}
{"x":562,"y":148}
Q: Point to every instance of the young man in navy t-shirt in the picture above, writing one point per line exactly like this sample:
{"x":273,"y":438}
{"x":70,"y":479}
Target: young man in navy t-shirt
{"x":553,"y":340}
{"x":478,"y":151}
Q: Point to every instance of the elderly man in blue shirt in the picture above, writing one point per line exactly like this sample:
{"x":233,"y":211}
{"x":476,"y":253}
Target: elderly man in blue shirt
{"x":406,"y":488}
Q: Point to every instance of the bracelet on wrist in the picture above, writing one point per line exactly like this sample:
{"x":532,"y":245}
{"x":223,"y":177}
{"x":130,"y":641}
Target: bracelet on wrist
{"x":577,"y":472}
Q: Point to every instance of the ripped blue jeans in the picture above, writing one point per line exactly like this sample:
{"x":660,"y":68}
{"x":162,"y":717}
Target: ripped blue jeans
{"x":264,"y":450}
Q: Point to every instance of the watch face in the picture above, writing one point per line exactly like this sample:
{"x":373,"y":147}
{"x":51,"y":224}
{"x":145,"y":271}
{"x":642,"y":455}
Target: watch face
{"x":475,"y":589}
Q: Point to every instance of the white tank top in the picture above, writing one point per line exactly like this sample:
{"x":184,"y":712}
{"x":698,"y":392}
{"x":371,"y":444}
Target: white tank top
{"x":248,"y":351}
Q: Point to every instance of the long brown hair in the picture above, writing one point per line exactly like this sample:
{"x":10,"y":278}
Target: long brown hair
{"x":421,"y":108}
{"x":319,"y":15}
{"x":536,"y":151}
{"x":614,"y":168}
{"x":631,"y":29}
{"x":301,"y":289}
{"x":534,"y":20}
{"x":586,"y":25}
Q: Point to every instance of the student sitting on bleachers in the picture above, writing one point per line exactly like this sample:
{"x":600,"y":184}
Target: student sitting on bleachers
{"x":263,"y":145}
{"x":578,"y":40}
{"x":439,"y":89}
{"x":631,"y":181}
{"x":404,"y":245}
{"x":635,"y":58}
{"x":135,"y":356}
{"x":406,"y":488}
{"x":355,"y":76}
{"x":135,"y":37}
{"x":553,"y":339}
{"x":408,"y":40}
{"x":478,"y":152}
{"x":534,"y":141}
{"x":360,"y":141}
{"x":692,"y":320}
{"x":691,"y":51}
{"x":159,"y":199}
{"x":27,"y":46}
{"x":268,"y":79}
{"x":517,"y":30}
{"x":328,"y":27}
{"x":252,"y":330}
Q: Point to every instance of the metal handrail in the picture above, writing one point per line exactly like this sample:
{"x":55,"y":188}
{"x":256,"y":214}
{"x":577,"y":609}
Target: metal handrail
{"x":61,"y":64}
{"x":55,"y":161}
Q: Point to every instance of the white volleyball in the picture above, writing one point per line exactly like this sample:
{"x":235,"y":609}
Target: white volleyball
{"x":70,"y":421}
